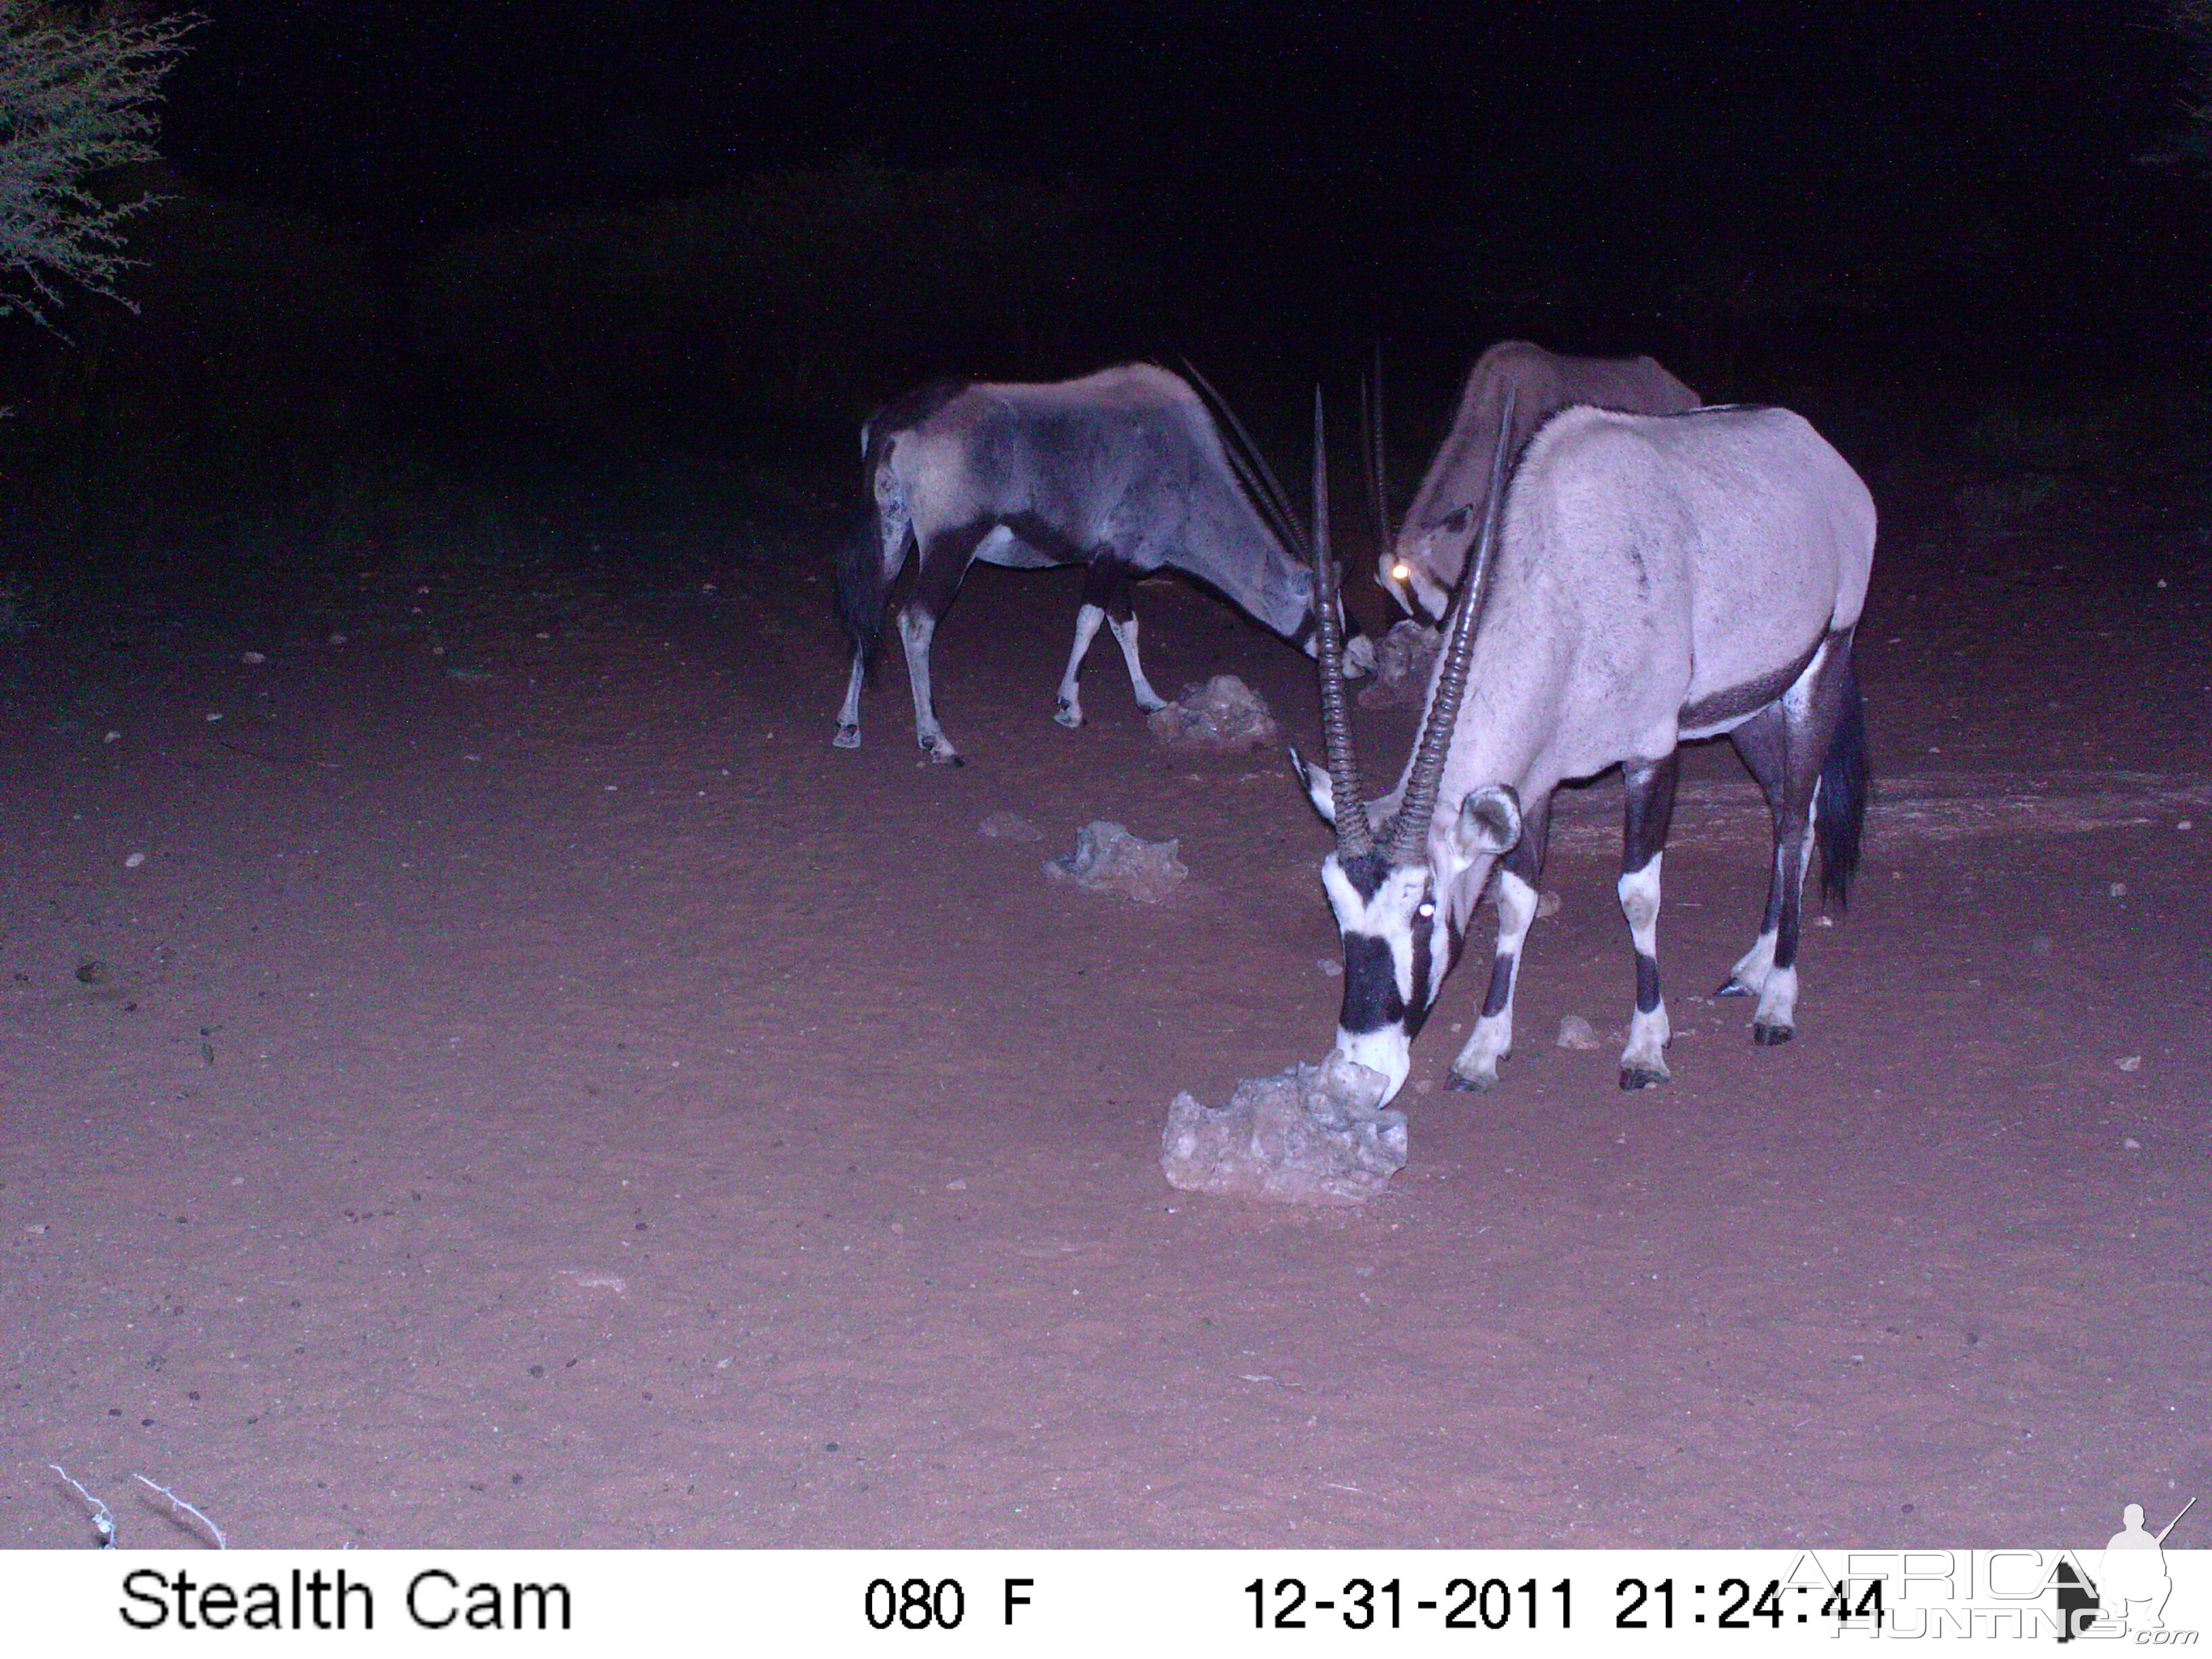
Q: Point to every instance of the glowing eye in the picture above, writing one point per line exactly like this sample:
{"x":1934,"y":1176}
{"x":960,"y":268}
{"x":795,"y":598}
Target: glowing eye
{"x":1425,"y":911}
{"x":1401,"y":571}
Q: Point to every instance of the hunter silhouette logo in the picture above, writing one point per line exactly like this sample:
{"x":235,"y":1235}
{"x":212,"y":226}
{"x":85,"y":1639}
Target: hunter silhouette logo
{"x":2131,"y":1585}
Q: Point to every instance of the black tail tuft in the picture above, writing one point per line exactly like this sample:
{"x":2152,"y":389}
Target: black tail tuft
{"x":1846,"y":781}
{"x":862,"y":592}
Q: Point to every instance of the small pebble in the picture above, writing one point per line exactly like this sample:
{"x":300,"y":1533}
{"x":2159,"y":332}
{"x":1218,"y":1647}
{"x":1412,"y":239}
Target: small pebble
{"x":959,"y":1184}
{"x":1547,"y":905}
{"x":2130,"y":1063}
{"x":1334,"y":970}
{"x":2118,"y":890}
{"x":253,"y":657}
{"x":337,"y":639}
{"x":2128,"y":1143}
{"x":2185,"y":823}
{"x":113,"y":737}
{"x":213,"y":718}
{"x":134,"y":860}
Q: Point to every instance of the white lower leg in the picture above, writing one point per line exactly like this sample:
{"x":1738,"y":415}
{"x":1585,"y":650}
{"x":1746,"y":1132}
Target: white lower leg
{"x":916,"y":628}
{"x":1778,"y":1002}
{"x":1069,"y":713}
{"x":1125,"y":636}
{"x":1648,"y":1029}
{"x":848,"y":713}
{"x":1777,"y":1015}
{"x":1492,"y":1040}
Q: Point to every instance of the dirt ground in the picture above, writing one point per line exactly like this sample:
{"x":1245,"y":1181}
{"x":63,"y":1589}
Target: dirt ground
{"x":533,"y":1091}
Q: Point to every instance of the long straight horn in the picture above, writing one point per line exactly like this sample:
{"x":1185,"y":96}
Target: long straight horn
{"x":1378,"y":480}
{"x":1411,"y":833}
{"x":1354,"y":834}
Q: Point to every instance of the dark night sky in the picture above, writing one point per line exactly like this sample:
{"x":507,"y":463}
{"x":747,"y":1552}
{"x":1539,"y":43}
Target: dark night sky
{"x":407,"y":118}
{"x":1293,"y":184}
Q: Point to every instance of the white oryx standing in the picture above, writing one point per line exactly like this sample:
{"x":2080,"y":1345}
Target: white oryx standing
{"x":1643,"y":582}
{"x":1123,"y":470}
{"x":1424,"y":564}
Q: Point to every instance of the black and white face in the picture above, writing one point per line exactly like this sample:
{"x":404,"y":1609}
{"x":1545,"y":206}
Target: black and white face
{"x":1399,"y":944}
{"x":1403,"y":925}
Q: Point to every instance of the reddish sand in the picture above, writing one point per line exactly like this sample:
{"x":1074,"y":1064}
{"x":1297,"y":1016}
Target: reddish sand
{"x":537,"y":1093}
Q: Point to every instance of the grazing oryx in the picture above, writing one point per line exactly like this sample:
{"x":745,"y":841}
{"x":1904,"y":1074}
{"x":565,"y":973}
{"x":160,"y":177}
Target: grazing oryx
{"x":1424,"y":566}
{"x":1123,"y":470}
{"x":1644,"y":580}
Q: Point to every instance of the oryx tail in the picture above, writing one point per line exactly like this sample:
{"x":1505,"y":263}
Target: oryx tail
{"x":863,"y":589}
{"x":1846,"y":779}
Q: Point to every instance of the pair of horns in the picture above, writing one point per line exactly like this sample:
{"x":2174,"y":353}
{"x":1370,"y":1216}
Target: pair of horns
{"x":1409,"y":834}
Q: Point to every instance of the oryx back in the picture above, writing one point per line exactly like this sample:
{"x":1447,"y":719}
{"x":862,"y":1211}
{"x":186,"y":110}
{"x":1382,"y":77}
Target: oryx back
{"x":1127,"y":458}
{"x":1660,"y":577}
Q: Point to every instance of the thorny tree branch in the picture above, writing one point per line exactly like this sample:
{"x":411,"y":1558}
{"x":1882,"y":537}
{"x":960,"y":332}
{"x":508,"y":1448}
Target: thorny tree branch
{"x":77,"y":98}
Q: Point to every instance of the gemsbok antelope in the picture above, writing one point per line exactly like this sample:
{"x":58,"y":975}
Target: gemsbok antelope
{"x":1123,"y":471}
{"x":1642,"y":581}
{"x":1425,"y":559}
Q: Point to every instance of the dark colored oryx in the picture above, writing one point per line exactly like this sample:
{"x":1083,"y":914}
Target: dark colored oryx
{"x":1424,"y":566}
{"x":1123,"y":471}
{"x":1643,"y":582}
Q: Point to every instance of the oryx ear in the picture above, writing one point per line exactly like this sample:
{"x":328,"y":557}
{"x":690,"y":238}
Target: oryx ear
{"x":1489,"y":823}
{"x":1319,"y":790}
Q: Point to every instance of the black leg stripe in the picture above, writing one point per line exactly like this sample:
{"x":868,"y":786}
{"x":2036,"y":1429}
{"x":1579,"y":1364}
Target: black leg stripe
{"x":1647,"y":983}
{"x":1501,"y":984}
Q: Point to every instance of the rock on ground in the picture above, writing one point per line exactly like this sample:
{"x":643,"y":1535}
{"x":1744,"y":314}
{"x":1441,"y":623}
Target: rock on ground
{"x":1223,"y":715}
{"x":1108,"y":859}
{"x":1313,"y":1134}
{"x":1402,"y":662}
{"x":1576,"y":1032}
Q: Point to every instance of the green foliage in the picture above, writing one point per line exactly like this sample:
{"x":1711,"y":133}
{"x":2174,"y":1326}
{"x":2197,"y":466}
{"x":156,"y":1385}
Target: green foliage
{"x":77,"y":96}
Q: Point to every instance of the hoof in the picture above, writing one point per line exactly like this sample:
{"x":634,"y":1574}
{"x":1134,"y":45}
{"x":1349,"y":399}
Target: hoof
{"x":1768,"y":1037}
{"x":947,"y":756}
{"x":848,"y":736}
{"x":1464,"y":1084}
{"x":1069,"y":715}
{"x":1732,"y":986}
{"x":1640,"y":1077}
{"x":1153,"y":704}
